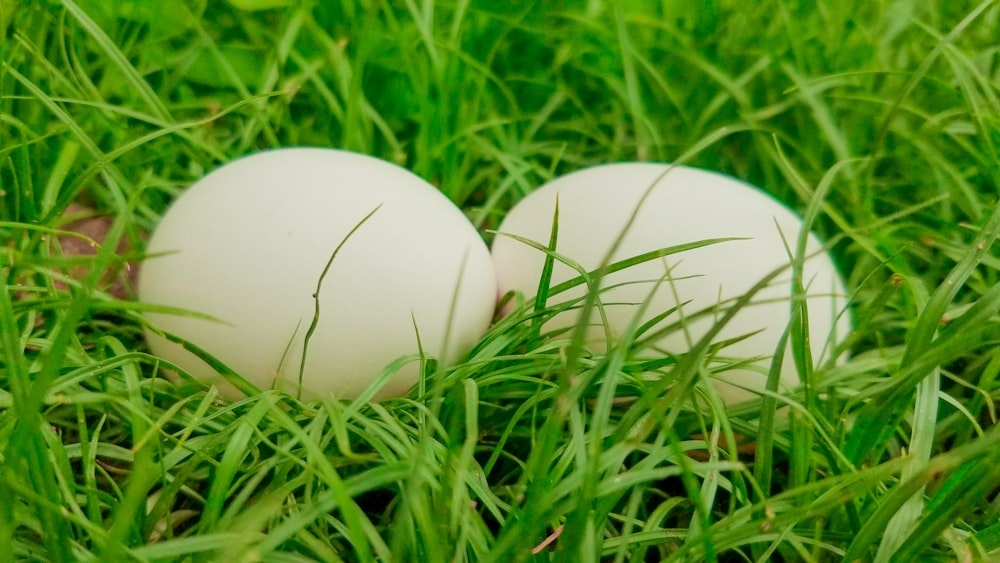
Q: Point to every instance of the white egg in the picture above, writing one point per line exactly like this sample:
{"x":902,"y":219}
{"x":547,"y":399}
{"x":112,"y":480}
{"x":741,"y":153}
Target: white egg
{"x":247,"y":245}
{"x":686,"y":205}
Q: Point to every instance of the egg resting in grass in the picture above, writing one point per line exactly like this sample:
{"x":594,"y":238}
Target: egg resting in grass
{"x":686,"y":205}
{"x":247,"y":245}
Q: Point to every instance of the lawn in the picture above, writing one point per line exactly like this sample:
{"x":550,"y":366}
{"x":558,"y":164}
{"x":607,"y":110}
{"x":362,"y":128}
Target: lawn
{"x":879,"y":119}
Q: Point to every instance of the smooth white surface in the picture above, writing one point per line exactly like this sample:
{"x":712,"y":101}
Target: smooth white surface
{"x":250,"y":240}
{"x":687,"y":205}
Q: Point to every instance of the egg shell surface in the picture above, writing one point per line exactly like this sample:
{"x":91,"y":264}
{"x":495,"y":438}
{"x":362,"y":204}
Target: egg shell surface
{"x":686,"y":205}
{"x":247,"y":245}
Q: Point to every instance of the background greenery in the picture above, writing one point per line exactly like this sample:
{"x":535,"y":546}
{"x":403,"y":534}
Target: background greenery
{"x":881,"y":118}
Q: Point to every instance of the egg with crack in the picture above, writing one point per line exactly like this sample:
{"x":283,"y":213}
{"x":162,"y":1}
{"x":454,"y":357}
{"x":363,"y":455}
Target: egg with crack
{"x":311,"y":270}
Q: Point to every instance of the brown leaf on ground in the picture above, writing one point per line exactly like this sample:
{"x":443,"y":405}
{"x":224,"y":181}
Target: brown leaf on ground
{"x":120,"y":279}
{"x":745,"y":446}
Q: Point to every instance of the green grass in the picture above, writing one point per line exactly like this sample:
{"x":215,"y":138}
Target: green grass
{"x":880,"y":122}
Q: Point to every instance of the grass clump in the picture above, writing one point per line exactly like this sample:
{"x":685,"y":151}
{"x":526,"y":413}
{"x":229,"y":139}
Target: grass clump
{"x":880,"y":123}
